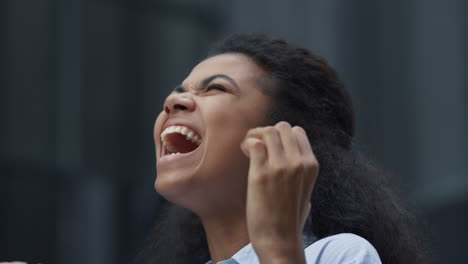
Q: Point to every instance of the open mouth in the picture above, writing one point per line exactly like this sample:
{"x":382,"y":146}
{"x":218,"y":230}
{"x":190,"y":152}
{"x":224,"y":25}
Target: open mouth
{"x":179,"y":139}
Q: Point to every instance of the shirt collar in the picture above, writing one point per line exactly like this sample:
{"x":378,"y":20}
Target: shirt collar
{"x":244,"y":255}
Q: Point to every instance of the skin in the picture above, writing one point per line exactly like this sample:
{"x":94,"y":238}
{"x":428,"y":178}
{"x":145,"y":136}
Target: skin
{"x":248,"y":182}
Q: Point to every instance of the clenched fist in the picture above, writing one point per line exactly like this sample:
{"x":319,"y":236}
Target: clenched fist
{"x":282,"y":174}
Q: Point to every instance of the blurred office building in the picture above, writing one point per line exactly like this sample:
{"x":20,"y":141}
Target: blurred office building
{"x":81,"y":84}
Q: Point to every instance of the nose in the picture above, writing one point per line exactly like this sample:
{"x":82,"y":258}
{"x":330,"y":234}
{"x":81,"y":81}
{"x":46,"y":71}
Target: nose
{"x":179,"y":102}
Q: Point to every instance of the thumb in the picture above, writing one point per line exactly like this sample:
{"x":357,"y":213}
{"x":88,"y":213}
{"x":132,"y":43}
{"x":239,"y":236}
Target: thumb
{"x":247,"y":144}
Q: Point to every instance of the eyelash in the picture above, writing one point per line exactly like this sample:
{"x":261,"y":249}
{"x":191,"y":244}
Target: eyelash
{"x":217,"y":87}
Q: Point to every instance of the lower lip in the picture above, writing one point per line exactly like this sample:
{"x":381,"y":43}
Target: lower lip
{"x":172,"y":157}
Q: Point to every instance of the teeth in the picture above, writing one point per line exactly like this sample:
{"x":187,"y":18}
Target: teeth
{"x":168,"y":146}
{"x":190,"y":135}
{"x":167,"y":131}
{"x":187,"y":132}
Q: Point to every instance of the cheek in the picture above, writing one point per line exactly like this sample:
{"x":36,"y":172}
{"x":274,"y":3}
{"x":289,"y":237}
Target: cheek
{"x":223,"y":150}
{"x":158,"y":124}
{"x":157,"y":129}
{"x":227,"y":123}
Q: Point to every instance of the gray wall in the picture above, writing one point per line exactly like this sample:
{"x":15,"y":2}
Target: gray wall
{"x":82,"y":83}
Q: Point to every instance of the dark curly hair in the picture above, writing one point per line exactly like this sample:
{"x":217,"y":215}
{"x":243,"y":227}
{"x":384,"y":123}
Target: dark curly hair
{"x":351,"y":195}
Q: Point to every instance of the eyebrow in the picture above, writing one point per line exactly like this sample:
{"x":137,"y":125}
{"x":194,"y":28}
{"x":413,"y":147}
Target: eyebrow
{"x":206,"y":81}
{"x":180,"y":89}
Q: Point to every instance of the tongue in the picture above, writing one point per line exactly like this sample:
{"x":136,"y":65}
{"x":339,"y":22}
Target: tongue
{"x":181,"y":143}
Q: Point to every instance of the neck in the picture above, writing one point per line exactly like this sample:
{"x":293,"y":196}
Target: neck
{"x":226,"y":234}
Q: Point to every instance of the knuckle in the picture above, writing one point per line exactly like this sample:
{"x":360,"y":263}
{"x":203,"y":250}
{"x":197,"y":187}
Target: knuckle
{"x":298,"y":129}
{"x":297,"y":167}
{"x":279,"y":169}
{"x":283,"y":125}
{"x":311,"y":164}
{"x":252,"y":131}
{"x":269,"y":130}
{"x":257,"y":144}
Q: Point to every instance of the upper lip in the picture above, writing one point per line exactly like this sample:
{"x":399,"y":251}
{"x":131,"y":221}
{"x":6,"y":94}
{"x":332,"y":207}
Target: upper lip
{"x":175,"y":122}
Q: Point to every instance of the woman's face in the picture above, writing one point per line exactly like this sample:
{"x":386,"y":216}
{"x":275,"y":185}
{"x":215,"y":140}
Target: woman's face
{"x":205,"y":119}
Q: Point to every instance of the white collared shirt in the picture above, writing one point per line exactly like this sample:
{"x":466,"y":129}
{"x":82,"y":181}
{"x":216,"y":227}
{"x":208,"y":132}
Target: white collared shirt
{"x":340,"y":248}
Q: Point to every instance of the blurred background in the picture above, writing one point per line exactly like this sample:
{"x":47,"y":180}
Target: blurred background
{"x":82,"y":82}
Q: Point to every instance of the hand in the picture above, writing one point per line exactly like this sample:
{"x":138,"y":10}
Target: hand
{"x":282,"y":174}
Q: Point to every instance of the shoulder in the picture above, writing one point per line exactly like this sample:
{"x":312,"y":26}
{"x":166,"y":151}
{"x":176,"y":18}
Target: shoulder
{"x":342,"y":248}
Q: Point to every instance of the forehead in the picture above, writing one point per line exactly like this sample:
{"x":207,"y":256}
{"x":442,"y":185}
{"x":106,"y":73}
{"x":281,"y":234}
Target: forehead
{"x":235,"y":65}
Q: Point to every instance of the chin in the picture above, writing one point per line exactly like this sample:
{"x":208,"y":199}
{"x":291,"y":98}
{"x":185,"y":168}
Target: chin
{"x":174,"y":188}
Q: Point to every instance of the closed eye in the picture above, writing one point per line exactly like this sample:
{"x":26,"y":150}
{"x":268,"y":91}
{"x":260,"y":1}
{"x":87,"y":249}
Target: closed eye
{"x":216,"y":87}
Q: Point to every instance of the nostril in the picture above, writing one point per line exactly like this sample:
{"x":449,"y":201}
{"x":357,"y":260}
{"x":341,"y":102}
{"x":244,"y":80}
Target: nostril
{"x":166,"y":109}
{"x":180,"y":107}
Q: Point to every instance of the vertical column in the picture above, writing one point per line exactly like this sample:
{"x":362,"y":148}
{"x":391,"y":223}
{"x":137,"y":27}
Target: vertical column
{"x":86,"y":230}
{"x":28,"y":123}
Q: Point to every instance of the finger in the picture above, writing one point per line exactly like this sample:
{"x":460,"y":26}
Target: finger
{"x":289,"y":141}
{"x":311,"y":166}
{"x":256,"y":151}
{"x":270,"y":136}
{"x":294,"y":158}
{"x":302,"y":140}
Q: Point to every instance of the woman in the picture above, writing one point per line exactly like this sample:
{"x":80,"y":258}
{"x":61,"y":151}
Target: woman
{"x":254,"y":153}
